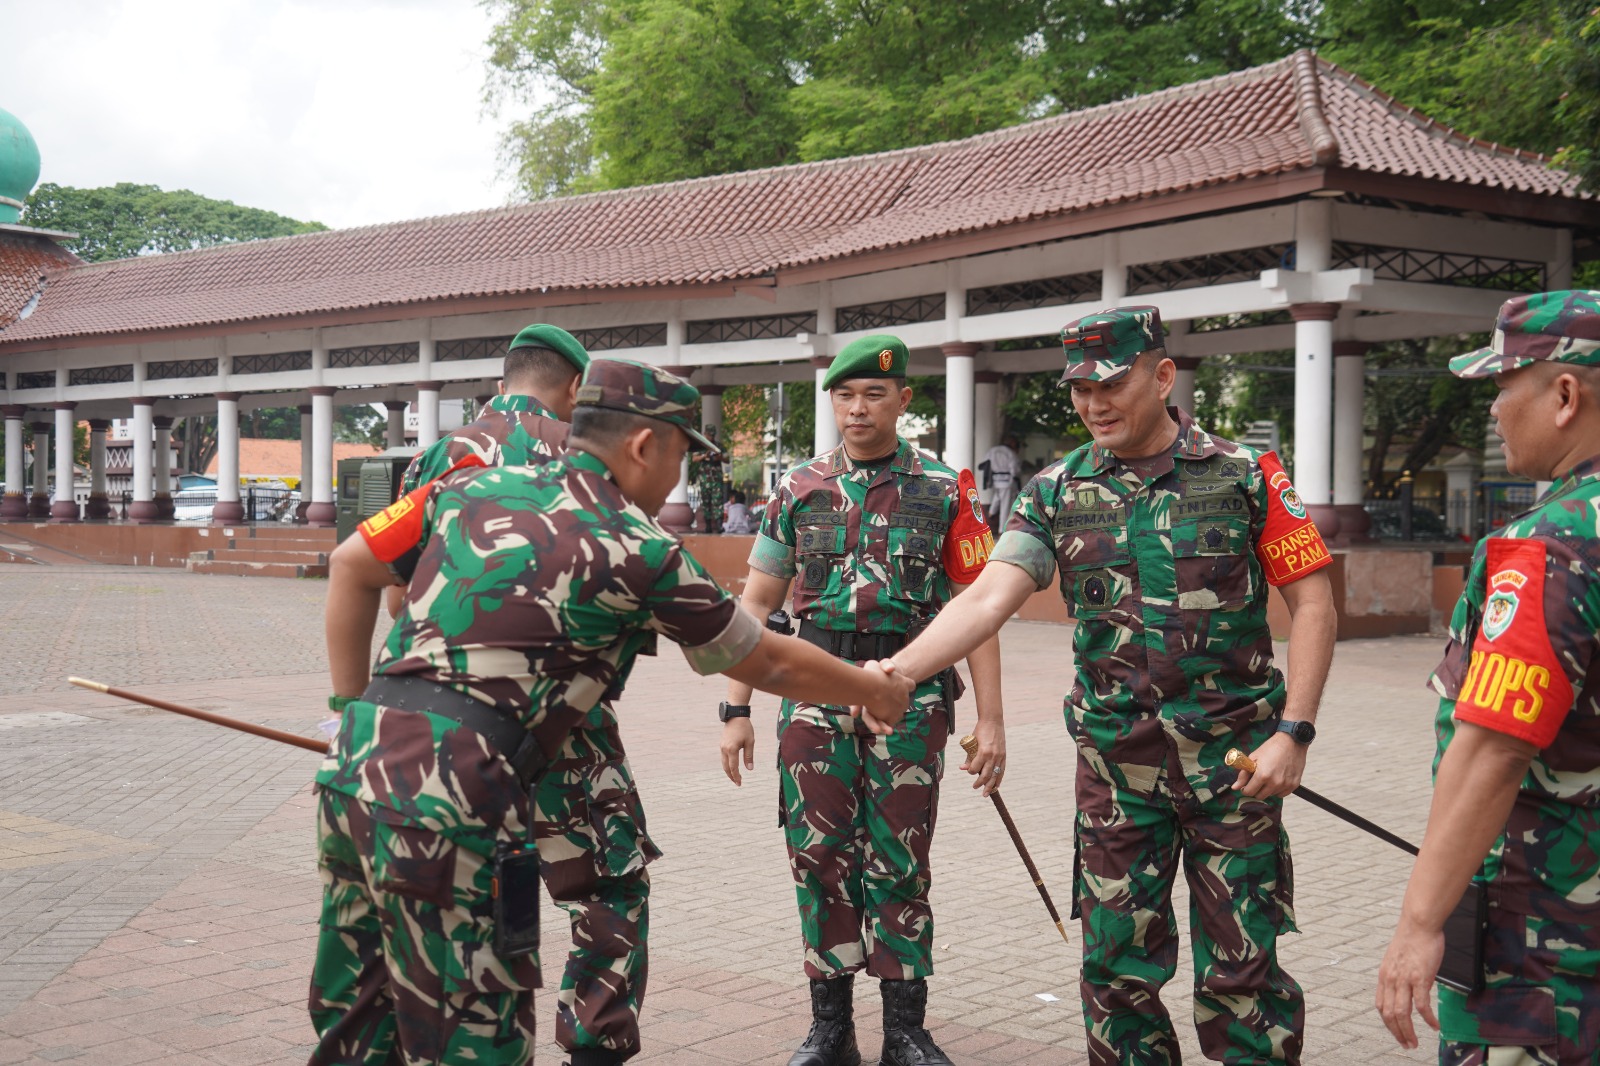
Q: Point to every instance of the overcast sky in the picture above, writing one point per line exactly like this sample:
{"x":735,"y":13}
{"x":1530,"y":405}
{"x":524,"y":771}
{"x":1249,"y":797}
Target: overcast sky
{"x":348,"y":112}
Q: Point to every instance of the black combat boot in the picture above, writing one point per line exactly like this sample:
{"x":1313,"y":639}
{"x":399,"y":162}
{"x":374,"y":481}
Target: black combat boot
{"x":905,"y":1041}
{"x":832,"y":1040}
{"x":596,"y":1056}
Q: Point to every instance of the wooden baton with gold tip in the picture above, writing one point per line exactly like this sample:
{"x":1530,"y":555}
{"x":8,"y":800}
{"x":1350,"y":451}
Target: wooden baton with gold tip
{"x":969,"y":744}
{"x":309,"y":743}
{"x":1240,"y":761}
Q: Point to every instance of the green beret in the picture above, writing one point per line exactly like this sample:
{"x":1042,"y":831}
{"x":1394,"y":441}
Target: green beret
{"x":640,"y":389}
{"x":1103,"y":346}
{"x":880,"y":355}
{"x":558,"y":340}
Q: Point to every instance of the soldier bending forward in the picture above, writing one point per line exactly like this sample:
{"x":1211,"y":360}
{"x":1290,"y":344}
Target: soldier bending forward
{"x":534,"y":589}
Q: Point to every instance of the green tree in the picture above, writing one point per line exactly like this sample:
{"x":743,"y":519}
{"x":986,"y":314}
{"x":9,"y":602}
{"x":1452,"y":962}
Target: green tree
{"x":612,"y":93}
{"x":125,"y":219}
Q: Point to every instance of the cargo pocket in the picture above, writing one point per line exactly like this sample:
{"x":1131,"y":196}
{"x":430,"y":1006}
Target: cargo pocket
{"x":818,"y":546}
{"x":1096,"y":574}
{"x":1282,"y":896}
{"x":914,"y":556}
{"x":438,"y":913}
{"x":1211,"y":564}
{"x":616,"y":821}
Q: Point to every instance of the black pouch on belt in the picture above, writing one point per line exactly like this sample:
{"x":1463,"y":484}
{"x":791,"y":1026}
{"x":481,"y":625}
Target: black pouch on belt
{"x":516,"y":899}
{"x":1464,"y":932}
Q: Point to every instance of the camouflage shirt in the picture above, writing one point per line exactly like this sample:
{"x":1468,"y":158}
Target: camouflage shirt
{"x":509,"y":431}
{"x":1523,"y":641}
{"x":534,"y":591}
{"x":872,"y":545}
{"x":1167,"y":575}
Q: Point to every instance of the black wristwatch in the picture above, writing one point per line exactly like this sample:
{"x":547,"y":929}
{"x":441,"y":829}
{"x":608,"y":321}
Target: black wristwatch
{"x":1302,"y":732}
{"x":726,"y":710}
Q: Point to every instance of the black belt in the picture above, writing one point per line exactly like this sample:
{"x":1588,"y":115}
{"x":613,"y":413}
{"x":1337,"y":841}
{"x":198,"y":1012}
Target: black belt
{"x":847,"y":644}
{"x":505,"y":734}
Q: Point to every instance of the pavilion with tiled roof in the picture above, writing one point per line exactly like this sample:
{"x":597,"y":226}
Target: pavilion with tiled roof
{"x":1287,"y":206}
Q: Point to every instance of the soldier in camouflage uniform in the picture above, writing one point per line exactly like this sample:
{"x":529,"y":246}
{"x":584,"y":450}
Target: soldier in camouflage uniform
{"x":875,"y":536}
{"x":1166,"y":538}
{"x":497,"y":673}
{"x":713,"y":485}
{"x":1517,"y":785}
{"x":527,"y":422}
{"x":525,"y":425}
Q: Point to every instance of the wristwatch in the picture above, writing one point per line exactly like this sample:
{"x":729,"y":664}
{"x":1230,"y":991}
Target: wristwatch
{"x":726,"y":710}
{"x":1302,"y":732}
{"x":337,"y":704}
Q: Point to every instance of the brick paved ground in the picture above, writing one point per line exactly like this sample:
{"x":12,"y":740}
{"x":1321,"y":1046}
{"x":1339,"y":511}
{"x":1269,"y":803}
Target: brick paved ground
{"x":161,"y":899}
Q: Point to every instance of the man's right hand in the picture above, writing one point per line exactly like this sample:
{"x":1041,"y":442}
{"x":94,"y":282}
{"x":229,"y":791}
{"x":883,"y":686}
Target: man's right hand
{"x":738,"y":737}
{"x":893,"y":691}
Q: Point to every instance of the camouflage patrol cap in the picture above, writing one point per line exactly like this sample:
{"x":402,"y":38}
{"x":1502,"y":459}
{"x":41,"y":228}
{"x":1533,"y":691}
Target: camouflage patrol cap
{"x":1103,"y":346}
{"x":1557,"y":327}
{"x":637,"y":389}
{"x":558,"y":340}
{"x":880,"y":355}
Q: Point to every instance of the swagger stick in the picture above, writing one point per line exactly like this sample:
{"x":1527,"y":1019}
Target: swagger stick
{"x":279,"y":735}
{"x":1240,"y":761}
{"x":969,"y":744}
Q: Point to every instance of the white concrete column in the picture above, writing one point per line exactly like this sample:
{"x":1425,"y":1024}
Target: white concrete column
{"x":711,"y":411}
{"x":227,"y":508}
{"x":142,"y":507}
{"x":1313,"y":237}
{"x":825,"y":433}
{"x":676,"y":514}
{"x":1183,"y":386}
{"x":394,"y":434}
{"x":98,"y":506}
{"x":1113,"y":272}
{"x":427,"y":413}
{"x":306,"y":463}
{"x":165,"y":507}
{"x":985,"y":421}
{"x":1313,"y":411}
{"x":15,"y":504}
{"x":322,"y":511}
{"x":960,"y":400}
{"x":1349,"y":450}
{"x":39,"y":504}
{"x":65,"y":507}
{"x":1558,"y":271}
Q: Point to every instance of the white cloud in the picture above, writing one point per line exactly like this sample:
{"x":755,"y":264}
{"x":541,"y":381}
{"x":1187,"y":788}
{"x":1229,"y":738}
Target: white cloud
{"x":349,"y":112}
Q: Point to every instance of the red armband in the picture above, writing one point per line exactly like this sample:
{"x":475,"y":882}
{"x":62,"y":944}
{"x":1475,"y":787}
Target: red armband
{"x":968,"y":543}
{"x":397,"y":528}
{"x":1515,"y":683}
{"x":1290,"y":546}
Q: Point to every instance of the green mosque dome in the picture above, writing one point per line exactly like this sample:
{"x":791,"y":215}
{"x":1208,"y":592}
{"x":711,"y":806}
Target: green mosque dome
{"x":19,"y":166}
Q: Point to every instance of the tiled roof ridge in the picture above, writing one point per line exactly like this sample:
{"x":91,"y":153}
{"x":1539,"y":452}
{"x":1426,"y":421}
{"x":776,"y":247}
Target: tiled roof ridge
{"x":1313,"y":120}
{"x":1426,"y":123}
{"x":1140,"y":102}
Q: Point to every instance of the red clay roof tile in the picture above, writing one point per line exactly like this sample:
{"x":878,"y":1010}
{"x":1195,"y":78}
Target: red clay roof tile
{"x":1295,"y":114}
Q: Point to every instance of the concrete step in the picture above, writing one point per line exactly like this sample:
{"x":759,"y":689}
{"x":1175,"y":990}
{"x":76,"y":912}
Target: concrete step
{"x":279,"y":544}
{"x":288,"y":532}
{"x":238,"y":569}
{"x":270,"y":555}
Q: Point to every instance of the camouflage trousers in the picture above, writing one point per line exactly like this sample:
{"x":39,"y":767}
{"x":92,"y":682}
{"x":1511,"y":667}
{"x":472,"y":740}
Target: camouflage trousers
{"x":406,"y":973}
{"x":593,"y":849}
{"x":858,"y":813}
{"x":1541,"y":1003}
{"x":1236,"y":861}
